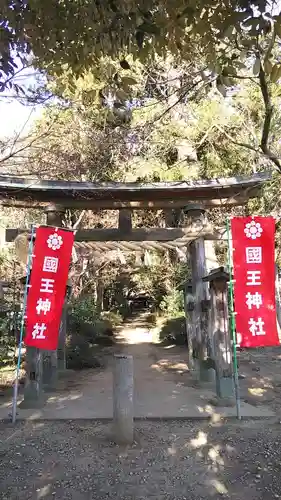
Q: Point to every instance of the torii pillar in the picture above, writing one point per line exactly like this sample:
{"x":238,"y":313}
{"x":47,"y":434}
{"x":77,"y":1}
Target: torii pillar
{"x":197,"y":219}
{"x":54,"y":360}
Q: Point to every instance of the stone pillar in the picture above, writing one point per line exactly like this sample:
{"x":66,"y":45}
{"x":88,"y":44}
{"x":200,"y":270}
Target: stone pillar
{"x":62,"y":338}
{"x":54,"y":215}
{"x":188,"y":309}
{"x":278,"y":304}
{"x":33,"y":391}
{"x":33,"y":387}
{"x":123,"y":401}
{"x":219,"y":332}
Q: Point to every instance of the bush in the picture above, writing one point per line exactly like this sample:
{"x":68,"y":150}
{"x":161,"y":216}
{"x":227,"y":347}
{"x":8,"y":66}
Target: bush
{"x":83,"y":309}
{"x":80,"y":355}
{"x":84,"y":320}
{"x":174,"y":331}
{"x":7,"y":342}
{"x":173,"y":304}
{"x":114,"y":318}
{"x":152,"y":318}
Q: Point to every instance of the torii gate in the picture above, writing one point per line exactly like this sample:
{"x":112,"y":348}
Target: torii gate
{"x":54,"y":197}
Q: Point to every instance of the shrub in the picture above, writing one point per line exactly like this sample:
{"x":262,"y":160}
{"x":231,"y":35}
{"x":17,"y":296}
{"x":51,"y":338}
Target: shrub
{"x":173,"y":304}
{"x":152,"y":318}
{"x":80,"y":355}
{"x":113,"y":318}
{"x":174,"y":331}
{"x":83,"y":309}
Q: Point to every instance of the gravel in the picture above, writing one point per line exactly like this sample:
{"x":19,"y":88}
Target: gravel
{"x":169,"y":460}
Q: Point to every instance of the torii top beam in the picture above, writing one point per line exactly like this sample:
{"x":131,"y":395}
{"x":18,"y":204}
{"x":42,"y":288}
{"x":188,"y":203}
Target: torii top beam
{"x":28,"y":192}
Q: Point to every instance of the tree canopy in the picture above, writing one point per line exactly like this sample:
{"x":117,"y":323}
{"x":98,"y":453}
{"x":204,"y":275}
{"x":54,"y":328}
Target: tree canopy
{"x":77,"y":33}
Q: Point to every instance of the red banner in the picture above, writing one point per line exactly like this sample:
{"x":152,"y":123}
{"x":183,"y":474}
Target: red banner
{"x":46,"y":294}
{"x":254,"y":281}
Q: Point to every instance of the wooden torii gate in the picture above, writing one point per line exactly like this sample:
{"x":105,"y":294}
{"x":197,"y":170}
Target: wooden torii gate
{"x":54,"y":197}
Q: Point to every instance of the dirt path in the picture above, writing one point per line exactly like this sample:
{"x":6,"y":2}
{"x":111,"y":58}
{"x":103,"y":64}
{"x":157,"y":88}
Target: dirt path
{"x":164,"y":387}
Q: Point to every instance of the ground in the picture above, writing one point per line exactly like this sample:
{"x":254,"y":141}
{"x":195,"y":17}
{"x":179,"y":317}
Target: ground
{"x":169,"y":460}
{"x":164,"y":386}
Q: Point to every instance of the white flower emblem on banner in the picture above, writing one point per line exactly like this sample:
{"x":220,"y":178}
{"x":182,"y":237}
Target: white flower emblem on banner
{"x":253,"y":230}
{"x":54,"y":241}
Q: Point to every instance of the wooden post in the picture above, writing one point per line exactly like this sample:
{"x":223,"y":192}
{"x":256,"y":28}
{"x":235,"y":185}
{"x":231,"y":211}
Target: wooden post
{"x":202,"y":259}
{"x":219,"y":332}
{"x":196,"y":218}
{"x":125,"y":220}
{"x":123,"y":404}
{"x":54,"y":215}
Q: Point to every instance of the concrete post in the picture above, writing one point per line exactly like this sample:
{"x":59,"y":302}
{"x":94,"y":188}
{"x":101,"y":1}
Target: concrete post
{"x":123,"y":403}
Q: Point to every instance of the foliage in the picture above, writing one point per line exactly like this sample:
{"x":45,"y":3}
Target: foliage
{"x":80,"y":354}
{"x":174,"y":331}
{"x":83,"y":309}
{"x":86,"y":331}
{"x":76,"y":34}
{"x":173,"y":303}
{"x":114,"y":318}
{"x":7,"y":342}
{"x":85,"y":320}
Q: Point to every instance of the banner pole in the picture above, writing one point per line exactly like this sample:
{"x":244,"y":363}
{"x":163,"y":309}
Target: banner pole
{"x":16,"y":384}
{"x":233,"y":326}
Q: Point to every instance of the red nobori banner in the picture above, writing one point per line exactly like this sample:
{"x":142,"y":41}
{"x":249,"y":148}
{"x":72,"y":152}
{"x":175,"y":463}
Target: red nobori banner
{"x":254,"y":281}
{"x":46,"y":293}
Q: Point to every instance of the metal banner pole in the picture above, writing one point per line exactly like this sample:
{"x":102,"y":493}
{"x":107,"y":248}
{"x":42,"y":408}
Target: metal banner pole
{"x":232,"y":325}
{"x":16,"y":384}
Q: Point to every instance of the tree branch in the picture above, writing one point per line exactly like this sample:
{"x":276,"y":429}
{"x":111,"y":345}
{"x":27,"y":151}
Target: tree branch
{"x":269,"y":108}
{"x":238,"y":143}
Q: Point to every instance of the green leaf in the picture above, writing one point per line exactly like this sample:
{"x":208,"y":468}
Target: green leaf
{"x":267,"y":66}
{"x":124,"y":64}
{"x":150,"y":28}
{"x":222,"y":89}
{"x":226,"y":81}
{"x":252,"y":22}
{"x":227,"y":32}
{"x":275,"y":73}
{"x":127,"y":81}
{"x":121,"y":95}
{"x":277,"y":29}
{"x":257,"y":66}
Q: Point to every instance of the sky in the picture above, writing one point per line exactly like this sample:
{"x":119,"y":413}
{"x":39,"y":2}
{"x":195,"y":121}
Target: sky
{"x":15,"y":116}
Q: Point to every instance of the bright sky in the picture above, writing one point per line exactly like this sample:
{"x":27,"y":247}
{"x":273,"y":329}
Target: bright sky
{"x":15,"y":116}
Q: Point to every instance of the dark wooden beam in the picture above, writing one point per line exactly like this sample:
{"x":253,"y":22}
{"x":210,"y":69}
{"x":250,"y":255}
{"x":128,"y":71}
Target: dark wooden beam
{"x":116,"y":194}
{"x":152,"y":234}
{"x":135,"y":205}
